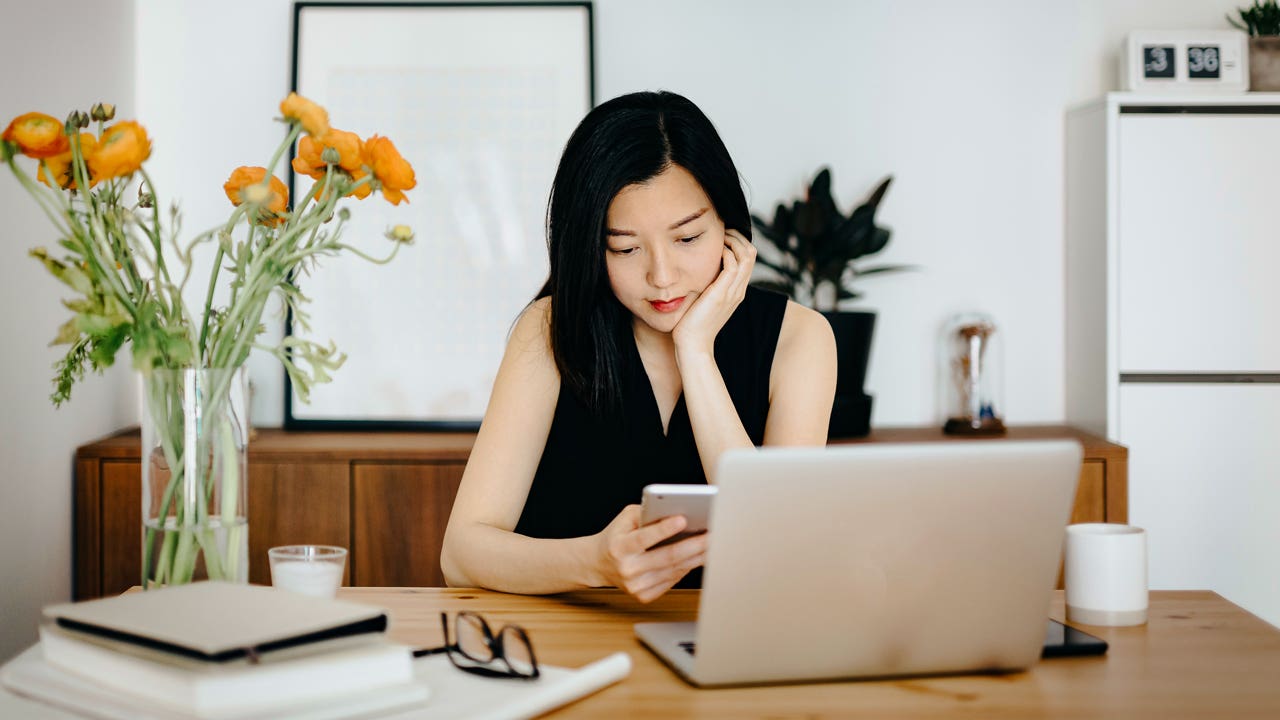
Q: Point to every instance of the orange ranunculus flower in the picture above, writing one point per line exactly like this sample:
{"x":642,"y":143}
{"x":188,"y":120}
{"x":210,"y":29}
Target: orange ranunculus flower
{"x":59,"y":166}
{"x":310,"y":160}
{"x":245,"y":182}
{"x":314,"y":119}
{"x":350,"y":149}
{"x":363,"y":191}
{"x":37,"y":135}
{"x":392,"y":171}
{"x":121,"y":150}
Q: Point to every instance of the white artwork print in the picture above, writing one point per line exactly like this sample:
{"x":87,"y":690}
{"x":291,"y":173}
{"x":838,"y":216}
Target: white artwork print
{"x":480,"y":100}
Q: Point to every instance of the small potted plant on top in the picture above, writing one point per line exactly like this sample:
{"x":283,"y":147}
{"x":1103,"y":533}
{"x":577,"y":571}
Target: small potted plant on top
{"x":1262,"y":22}
{"x":815,"y":247}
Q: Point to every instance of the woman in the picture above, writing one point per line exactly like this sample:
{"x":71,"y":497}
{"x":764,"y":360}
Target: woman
{"x":643,"y":359}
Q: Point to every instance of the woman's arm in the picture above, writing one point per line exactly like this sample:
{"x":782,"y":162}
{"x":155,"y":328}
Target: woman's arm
{"x":802,"y":388}
{"x":802,"y":382}
{"x":481,"y":548}
{"x":715,"y":421}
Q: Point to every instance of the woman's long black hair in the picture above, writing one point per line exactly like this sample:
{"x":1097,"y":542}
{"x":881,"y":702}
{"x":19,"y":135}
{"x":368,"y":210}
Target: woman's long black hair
{"x":625,"y":141}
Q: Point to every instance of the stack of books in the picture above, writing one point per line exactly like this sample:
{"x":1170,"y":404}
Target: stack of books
{"x":218,"y":650}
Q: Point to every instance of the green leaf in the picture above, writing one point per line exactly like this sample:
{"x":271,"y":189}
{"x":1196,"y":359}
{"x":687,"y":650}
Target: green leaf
{"x":73,"y":276}
{"x":845,"y":293}
{"x":777,"y":268}
{"x":820,"y":243}
{"x":787,"y":289}
{"x":68,"y":333}
{"x":886,"y":268}
{"x":69,"y":370}
{"x":103,"y":351}
{"x":94,"y":325}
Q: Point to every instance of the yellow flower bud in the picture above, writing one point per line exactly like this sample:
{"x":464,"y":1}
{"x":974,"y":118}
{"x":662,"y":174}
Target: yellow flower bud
{"x":103,"y":112}
{"x":75,"y":120}
{"x":400,"y":234}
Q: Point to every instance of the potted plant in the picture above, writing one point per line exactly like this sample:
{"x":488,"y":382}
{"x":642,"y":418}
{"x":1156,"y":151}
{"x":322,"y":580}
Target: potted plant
{"x":1262,"y":23}
{"x":816,"y":247}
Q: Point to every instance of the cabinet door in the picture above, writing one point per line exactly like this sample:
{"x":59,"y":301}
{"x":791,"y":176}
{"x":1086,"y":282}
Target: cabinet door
{"x":121,"y":525}
{"x":1091,"y":503}
{"x":1197,"y":246}
{"x":297,"y":504}
{"x":401,"y":511}
{"x":1204,"y":480}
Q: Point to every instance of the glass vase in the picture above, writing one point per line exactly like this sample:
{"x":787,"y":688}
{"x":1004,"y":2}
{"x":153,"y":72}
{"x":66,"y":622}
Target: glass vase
{"x":195,"y":434}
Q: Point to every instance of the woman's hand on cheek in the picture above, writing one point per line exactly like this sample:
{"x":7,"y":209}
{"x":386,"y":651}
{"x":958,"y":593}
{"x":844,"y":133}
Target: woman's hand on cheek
{"x":627,"y":563}
{"x":711,"y":308}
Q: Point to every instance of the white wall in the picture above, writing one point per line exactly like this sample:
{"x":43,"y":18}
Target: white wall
{"x":51,"y":71}
{"x":962,"y":102}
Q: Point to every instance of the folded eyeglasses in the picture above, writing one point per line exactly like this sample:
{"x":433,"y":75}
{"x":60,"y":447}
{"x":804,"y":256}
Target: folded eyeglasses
{"x":477,"y":649}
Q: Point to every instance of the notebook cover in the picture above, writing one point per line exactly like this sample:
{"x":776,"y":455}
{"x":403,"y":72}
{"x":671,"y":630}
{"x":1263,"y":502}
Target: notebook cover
{"x":218,"y":621}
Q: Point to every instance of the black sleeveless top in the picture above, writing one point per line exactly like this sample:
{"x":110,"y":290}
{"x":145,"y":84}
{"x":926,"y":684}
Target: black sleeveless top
{"x":591,"y":468}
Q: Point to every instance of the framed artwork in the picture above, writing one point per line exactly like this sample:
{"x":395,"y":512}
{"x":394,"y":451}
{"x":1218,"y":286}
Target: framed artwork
{"x":480,"y":99}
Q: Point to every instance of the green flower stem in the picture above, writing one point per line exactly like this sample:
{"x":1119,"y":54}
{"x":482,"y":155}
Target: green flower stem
{"x":154,"y":235}
{"x":295,"y":130}
{"x":208,"y":303}
{"x":167,"y":418}
{"x":230,"y":497}
{"x":259,"y":285}
{"x":395,"y":249}
{"x":41,"y":199}
{"x":194,"y":530}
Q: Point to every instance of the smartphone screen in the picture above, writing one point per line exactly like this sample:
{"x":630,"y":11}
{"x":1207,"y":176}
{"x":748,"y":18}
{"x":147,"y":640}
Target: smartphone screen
{"x":1063,"y":641}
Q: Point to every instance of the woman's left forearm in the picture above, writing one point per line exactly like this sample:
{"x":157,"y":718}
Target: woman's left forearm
{"x":715,"y":421}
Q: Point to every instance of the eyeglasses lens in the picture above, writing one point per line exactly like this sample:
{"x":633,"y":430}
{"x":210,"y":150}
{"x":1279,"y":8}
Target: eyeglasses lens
{"x":515,"y":647}
{"x":474,"y":638}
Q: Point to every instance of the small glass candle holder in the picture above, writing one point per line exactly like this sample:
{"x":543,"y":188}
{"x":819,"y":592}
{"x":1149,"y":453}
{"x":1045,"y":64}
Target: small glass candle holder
{"x":314,"y":570}
{"x":972,"y":366}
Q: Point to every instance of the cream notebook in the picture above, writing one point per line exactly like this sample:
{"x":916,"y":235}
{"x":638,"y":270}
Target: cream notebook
{"x":216,"y":621}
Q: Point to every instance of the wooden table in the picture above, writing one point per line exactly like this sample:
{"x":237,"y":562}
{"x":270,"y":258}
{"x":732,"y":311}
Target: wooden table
{"x":1200,"y":656}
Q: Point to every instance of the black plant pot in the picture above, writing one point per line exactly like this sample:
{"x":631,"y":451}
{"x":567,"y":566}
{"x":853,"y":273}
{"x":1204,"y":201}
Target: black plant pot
{"x":851,"y":413}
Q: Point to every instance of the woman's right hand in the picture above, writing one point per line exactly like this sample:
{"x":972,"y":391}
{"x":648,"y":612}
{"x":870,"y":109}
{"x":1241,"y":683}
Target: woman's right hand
{"x":626,"y":562}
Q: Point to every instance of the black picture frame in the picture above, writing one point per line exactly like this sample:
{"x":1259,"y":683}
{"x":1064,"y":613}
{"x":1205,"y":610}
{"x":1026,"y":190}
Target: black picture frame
{"x":501,"y":12}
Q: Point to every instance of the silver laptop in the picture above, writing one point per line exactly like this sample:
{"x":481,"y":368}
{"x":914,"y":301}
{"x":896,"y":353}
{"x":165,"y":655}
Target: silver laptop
{"x":875,"y":561}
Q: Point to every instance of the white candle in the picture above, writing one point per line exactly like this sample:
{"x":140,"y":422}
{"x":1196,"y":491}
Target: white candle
{"x":317,"y":578}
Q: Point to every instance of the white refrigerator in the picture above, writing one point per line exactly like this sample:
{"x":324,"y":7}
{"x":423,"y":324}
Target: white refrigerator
{"x":1173,"y":326}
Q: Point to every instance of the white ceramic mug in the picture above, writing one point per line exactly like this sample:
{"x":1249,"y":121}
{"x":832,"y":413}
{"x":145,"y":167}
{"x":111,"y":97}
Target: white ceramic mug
{"x":1106,"y":574}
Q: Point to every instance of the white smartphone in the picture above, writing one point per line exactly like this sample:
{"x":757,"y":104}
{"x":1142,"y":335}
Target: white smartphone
{"x":691,"y":501}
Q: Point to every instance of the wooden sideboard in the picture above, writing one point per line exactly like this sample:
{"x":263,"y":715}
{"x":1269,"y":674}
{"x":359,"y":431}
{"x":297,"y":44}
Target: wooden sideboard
{"x":387,"y":496}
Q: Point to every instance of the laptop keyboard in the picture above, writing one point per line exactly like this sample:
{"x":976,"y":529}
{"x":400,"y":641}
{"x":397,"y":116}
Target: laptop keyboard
{"x":688,"y":647}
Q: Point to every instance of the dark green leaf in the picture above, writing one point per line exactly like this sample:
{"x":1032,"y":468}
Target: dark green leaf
{"x":787,"y":289}
{"x":104,"y":348}
{"x":879,"y":238}
{"x":778,"y":268}
{"x":885,"y":268}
